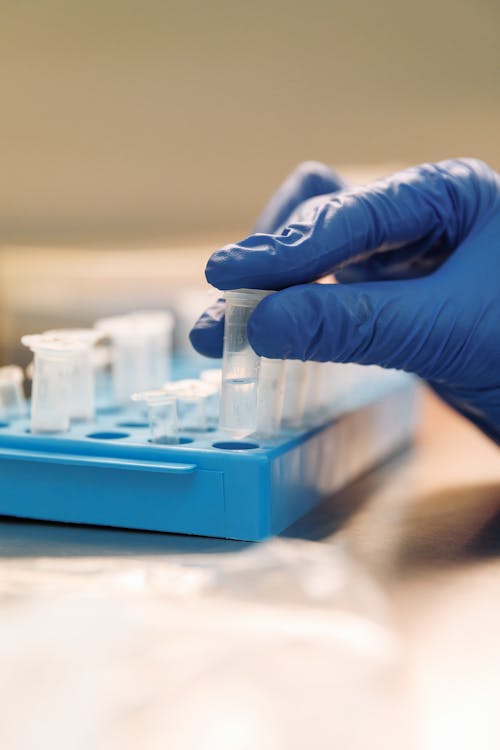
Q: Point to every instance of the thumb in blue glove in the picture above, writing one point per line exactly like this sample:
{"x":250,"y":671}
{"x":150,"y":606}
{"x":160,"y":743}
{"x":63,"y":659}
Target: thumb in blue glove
{"x":422,"y":252}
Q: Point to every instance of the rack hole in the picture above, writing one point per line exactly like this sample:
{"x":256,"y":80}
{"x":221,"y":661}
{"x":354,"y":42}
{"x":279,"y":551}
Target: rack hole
{"x":107,"y":435}
{"x":232,"y":445}
{"x":132,"y":425}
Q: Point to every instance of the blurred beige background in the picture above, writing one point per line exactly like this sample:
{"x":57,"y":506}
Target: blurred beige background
{"x":153,"y":121}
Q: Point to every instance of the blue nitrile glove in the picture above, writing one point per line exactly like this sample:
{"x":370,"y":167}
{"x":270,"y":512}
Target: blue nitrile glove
{"x":421,"y":253}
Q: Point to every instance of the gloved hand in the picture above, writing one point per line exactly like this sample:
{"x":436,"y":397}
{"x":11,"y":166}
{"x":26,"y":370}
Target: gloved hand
{"x":418,"y":255}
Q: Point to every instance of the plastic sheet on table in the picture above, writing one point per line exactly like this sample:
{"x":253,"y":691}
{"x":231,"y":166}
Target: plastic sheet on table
{"x":282,"y":645}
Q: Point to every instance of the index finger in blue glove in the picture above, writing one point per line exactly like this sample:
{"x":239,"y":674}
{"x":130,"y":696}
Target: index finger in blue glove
{"x":432,"y":205}
{"x":309,"y":179}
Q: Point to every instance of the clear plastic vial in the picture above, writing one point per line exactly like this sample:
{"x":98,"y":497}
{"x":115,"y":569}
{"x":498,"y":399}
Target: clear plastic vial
{"x":50,"y":399}
{"x":162,"y":414}
{"x":101,"y":356}
{"x":312,"y":405}
{"x":240,"y":365}
{"x":141,"y":344}
{"x":82,"y":376}
{"x":295,"y":393}
{"x":129,"y":356}
{"x":192,"y":397}
{"x":270,"y":393}
{"x":157,"y":328}
{"x":12,"y":401}
{"x":214,"y":378}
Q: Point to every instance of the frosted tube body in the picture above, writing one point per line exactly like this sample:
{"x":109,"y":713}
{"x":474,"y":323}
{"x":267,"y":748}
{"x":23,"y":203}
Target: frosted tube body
{"x":82,"y":376}
{"x":130,"y":361}
{"x":295,"y":393}
{"x":163,"y":422}
{"x":141,"y":345}
{"x":192,"y":413}
{"x":270,"y":393}
{"x":213,"y":377}
{"x":12,"y":402}
{"x":81,"y":396}
{"x":157,"y":328}
{"x":50,"y":395}
{"x":192,"y":398}
{"x":162,"y":414}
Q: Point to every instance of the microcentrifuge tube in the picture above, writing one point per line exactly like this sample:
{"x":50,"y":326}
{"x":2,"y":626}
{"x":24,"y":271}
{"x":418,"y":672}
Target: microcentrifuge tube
{"x":270,"y":396}
{"x":240,"y":365}
{"x":130,"y":356}
{"x":295,"y":393}
{"x":82,"y":379}
{"x":192,"y":397}
{"x":340,"y":380}
{"x":101,"y":357}
{"x":312,"y":397}
{"x":162,"y":414}
{"x":157,"y":328}
{"x":12,"y":401}
{"x":53,"y":363}
{"x":214,"y":378}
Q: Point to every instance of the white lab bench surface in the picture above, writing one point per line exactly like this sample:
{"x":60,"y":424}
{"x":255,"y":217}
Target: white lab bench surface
{"x":373,"y":623}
